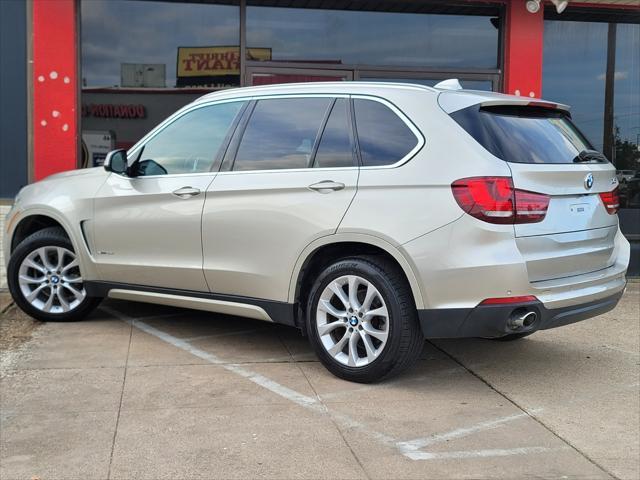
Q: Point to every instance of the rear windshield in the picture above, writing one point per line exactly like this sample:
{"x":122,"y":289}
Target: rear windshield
{"x":525,"y":134}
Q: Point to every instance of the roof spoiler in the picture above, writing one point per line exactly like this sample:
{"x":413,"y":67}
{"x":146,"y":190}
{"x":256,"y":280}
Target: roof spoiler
{"x":452,"y":101}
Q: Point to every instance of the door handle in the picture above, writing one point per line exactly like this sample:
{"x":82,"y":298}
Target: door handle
{"x":186,"y":192}
{"x":326,"y":186}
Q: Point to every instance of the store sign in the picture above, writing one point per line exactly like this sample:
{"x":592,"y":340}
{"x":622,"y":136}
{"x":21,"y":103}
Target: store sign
{"x":111,"y":110}
{"x":214,"y":61}
{"x":95,"y":146}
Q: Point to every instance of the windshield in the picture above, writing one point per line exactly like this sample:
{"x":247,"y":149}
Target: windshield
{"x":526,"y":134}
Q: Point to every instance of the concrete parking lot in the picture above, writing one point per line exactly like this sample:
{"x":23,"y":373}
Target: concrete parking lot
{"x":140,"y":391}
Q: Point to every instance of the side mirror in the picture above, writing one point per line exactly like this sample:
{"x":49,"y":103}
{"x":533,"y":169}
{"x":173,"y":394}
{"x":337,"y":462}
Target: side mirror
{"x":116,"y":162}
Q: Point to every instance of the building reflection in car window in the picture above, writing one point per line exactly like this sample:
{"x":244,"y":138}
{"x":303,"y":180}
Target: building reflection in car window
{"x":281,"y":134}
{"x":190,"y":144}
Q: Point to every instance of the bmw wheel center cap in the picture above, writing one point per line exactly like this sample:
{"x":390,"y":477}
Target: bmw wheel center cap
{"x":353,"y":321}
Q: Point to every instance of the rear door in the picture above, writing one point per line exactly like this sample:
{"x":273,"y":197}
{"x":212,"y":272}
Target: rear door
{"x":288,"y":178}
{"x":547,"y":154}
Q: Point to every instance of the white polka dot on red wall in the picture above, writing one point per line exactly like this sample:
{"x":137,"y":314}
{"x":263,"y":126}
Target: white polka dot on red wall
{"x":517,"y":92}
{"x":41,"y":78}
{"x":66,"y":80}
{"x":55,"y":114}
{"x":65,"y":127}
{"x":532,"y":94}
{"x":43,"y":123}
{"x":53,"y":75}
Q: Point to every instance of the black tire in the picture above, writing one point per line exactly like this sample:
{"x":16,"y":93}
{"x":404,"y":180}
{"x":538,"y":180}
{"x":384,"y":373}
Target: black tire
{"x":405,"y":339}
{"x":511,"y":337}
{"x":55,"y":237}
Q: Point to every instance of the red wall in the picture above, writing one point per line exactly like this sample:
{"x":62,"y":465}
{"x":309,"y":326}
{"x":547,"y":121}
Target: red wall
{"x":523,"y":44}
{"x":55,"y":92}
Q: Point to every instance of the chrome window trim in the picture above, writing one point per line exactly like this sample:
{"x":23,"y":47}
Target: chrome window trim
{"x":418,"y":134}
{"x":207,"y":103}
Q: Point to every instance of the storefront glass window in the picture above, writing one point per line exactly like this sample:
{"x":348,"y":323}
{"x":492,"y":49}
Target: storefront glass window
{"x":142,"y":60}
{"x":573,"y":72}
{"x":371,"y":38}
{"x":626,"y":104}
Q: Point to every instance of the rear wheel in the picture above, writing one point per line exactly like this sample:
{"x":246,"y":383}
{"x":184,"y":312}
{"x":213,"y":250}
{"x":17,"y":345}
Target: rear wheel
{"x":45,"y":280}
{"x":362,"y":321}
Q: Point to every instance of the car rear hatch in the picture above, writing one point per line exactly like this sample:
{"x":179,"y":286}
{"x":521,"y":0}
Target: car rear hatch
{"x":548,"y":155}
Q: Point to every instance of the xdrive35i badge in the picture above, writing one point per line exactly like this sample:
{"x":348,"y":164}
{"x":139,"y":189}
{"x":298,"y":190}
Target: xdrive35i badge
{"x":588,"y":181}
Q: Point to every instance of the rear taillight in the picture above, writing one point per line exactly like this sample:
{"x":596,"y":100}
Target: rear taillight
{"x":611,"y":201}
{"x":494,"y":200}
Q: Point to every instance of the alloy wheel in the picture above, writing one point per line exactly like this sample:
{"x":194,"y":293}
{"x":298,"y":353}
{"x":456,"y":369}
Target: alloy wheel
{"x":50,"y":280}
{"x":352,"y":321}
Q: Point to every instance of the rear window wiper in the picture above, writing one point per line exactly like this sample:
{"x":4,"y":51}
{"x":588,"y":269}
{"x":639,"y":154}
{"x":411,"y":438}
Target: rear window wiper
{"x":589,"y":156}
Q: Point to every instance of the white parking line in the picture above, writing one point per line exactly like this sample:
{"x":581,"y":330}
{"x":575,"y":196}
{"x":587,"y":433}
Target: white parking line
{"x":418,"y":443}
{"x":409,"y":449}
{"x":477,"y":453}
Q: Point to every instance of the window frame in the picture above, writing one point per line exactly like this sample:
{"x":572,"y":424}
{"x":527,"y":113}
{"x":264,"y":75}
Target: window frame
{"x":137,"y":148}
{"x":355,"y":154}
{"x":229,"y":148}
{"x":421,"y":142}
{"x":232,"y":149}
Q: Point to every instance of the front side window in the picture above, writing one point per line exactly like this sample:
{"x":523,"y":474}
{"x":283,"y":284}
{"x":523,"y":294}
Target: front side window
{"x":281,"y":134}
{"x":190,"y":144}
{"x":384,"y":138}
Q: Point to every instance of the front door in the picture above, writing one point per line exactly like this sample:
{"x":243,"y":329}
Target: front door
{"x":147,"y":227}
{"x":289,"y":181}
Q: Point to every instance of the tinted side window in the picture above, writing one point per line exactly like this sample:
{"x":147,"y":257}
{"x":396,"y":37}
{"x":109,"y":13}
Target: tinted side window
{"x":190,"y":144}
{"x":281,"y":134}
{"x":335,"y":148}
{"x":383,"y":137}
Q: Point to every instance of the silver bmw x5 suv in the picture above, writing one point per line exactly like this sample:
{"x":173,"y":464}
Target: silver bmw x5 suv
{"x":368,"y":215}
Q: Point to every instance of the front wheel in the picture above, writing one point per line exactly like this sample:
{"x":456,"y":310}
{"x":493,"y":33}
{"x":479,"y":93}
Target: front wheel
{"x":45,"y":280}
{"x":362,"y":321}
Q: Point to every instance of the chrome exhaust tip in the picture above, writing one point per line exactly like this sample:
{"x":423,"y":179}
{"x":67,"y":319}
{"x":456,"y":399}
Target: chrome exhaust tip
{"x":520,"y":319}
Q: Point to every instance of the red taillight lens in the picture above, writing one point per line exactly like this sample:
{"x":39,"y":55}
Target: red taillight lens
{"x":530,"y":207}
{"x":508,"y":300}
{"x":611,"y":201}
{"x":494,"y":200}
{"x":486,"y":198}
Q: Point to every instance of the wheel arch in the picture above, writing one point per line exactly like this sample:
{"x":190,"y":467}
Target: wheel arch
{"x":326,"y":249}
{"x":32,"y":223}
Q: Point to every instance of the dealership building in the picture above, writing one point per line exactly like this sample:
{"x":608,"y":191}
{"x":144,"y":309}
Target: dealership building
{"x":80,"y":77}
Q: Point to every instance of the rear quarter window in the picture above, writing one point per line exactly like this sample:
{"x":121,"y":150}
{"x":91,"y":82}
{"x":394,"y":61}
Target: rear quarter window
{"x":524,"y":134}
{"x":384,"y":138}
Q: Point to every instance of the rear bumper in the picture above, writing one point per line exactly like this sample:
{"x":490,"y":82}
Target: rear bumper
{"x":494,"y":320}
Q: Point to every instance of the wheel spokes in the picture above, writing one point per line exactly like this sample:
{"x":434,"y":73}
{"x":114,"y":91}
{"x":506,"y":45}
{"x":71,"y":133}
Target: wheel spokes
{"x":35,"y":292}
{"x":353,"y":292}
{"x":353,"y":348}
{"x":370,"y":330}
{"x":339,"y":346}
{"x":326,"y":306}
{"x":330,"y":327}
{"x":339,"y":292}
{"x":361,"y":323}
{"x":368,"y":345}
{"x":49,"y":279}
